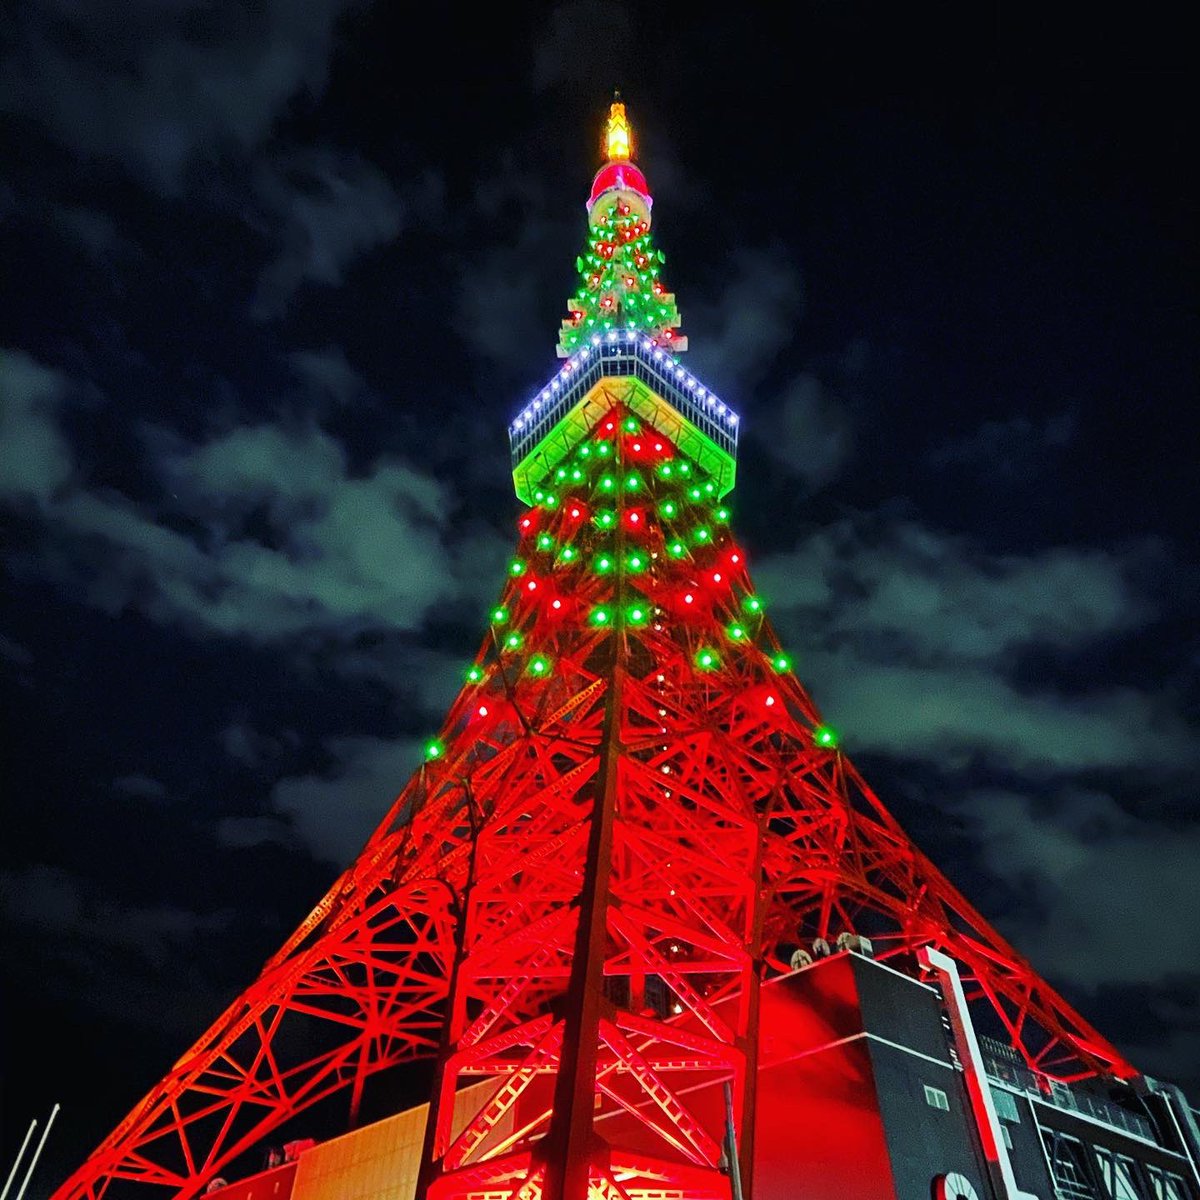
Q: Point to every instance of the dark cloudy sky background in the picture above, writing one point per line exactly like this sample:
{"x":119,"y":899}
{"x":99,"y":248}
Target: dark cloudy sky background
{"x":276,"y":276}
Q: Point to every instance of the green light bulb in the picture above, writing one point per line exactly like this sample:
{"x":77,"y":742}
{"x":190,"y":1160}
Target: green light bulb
{"x":707,"y":659}
{"x":516,"y":567}
{"x":636,"y":615}
{"x":545,"y":541}
{"x":635,"y":562}
{"x":560,"y":474}
{"x":513,"y":641}
{"x":604,"y":449}
{"x":781,"y":663}
{"x":676,"y":549}
{"x":721,"y":514}
{"x":630,"y":425}
{"x":702,"y":534}
{"x":684,"y":469}
{"x":666,"y":470}
{"x":474,"y":674}
{"x":599,"y":616}
{"x":826,"y":737}
{"x":668,"y":508}
{"x":736,"y":633}
{"x":499,"y":615}
{"x":632,"y":483}
{"x":585,"y":451}
{"x":568,"y":553}
{"x":695,"y":493}
{"x":752,"y":604}
{"x":605,"y":517}
{"x":604,"y":564}
{"x":607,"y":483}
{"x":433,"y":750}
{"x":539,"y":665}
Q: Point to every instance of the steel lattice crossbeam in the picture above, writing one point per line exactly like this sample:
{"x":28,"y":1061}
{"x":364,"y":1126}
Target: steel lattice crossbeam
{"x":631,"y":814}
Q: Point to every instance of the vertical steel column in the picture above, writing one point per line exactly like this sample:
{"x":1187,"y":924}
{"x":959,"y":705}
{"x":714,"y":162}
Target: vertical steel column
{"x":570,"y":1143}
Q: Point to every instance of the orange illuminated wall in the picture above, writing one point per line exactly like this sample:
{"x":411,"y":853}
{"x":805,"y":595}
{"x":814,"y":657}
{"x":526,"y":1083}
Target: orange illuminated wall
{"x":379,"y":1161}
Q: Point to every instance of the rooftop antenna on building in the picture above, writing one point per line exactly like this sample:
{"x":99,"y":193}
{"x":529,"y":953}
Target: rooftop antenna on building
{"x":33,"y":1162}
{"x":17,"y":1161}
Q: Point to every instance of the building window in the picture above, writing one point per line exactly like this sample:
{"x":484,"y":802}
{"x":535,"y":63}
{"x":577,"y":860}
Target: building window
{"x":1119,"y":1174}
{"x":1164,"y":1185}
{"x":1006,"y":1106}
{"x":936,"y":1098}
{"x":1068,"y":1166}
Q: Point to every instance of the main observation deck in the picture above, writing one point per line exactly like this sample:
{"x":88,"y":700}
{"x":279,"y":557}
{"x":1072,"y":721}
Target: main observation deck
{"x":622,"y":366}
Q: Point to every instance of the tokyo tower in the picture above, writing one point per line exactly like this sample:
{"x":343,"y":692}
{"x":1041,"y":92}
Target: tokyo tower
{"x":631,"y":867}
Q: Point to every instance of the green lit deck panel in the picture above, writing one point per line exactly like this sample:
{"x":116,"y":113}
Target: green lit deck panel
{"x":633,"y":372}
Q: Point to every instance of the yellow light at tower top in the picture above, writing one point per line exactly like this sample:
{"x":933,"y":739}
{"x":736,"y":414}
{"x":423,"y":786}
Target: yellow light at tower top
{"x":618,"y":139}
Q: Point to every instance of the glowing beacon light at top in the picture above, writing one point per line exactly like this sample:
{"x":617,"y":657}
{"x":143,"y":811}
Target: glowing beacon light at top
{"x":618,"y":139}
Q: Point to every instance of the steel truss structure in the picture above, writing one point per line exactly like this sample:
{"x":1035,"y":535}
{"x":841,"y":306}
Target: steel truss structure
{"x":633,"y":815}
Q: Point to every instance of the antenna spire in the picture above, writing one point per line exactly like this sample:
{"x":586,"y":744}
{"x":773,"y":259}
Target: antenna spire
{"x":618,"y":137}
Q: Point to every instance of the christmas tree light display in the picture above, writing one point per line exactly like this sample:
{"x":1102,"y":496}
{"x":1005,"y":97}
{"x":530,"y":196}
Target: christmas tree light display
{"x":620,"y":270}
{"x":631,"y":817}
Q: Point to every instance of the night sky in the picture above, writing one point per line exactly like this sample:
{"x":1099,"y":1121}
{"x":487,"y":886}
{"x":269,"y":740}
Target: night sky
{"x":276,"y":277}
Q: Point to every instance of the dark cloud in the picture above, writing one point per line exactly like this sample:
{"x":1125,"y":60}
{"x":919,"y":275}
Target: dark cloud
{"x":499,"y":309}
{"x":1110,"y":887}
{"x":335,"y":811}
{"x":254,"y":749}
{"x":874,"y":576}
{"x":911,"y":637}
{"x":327,"y":375}
{"x":140,"y":785}
{"x":807,"y":429}
{"x":585,"y":43}
{"x":349,"y":551}
{"x":35,"y":461}
{"x":1007,"y":448}
{"x":754,"y":316}
{"x":327,"y":208}
{"x":14,"y":652}
{"x":164,"y":87}
{"x":62,"y":905}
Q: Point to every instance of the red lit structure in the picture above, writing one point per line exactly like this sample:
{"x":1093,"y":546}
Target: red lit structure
{"x":632,"y":817}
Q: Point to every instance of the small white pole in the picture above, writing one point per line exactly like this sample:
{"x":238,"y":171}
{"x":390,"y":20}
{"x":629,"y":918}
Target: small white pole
{"x":20,"y":1155}
{"x":38,"y":1152}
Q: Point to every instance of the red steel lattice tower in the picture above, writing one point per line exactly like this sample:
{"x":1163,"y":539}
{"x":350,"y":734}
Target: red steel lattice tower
{"x":632,"y":813}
